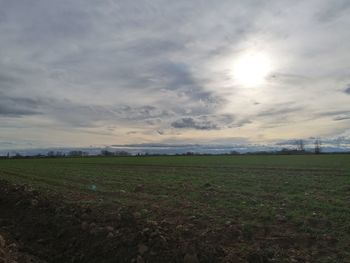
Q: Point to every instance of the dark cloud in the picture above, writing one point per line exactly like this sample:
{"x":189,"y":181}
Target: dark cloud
{"x":74,"y":114}
{"x":240,"y":123}
{"x":341,"y":118}
{"x":347,"y":89}
{"x":175,"y":76}
{"x":94,"y":115}
{"x":190,"y":123}
{"x":209,"y":122}
{"x":17,"y":107}
{"x":178,"y":79}
{"x":14,"y":111}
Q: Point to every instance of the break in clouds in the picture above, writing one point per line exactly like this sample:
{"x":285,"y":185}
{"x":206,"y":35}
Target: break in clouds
{"x":79,"y":73}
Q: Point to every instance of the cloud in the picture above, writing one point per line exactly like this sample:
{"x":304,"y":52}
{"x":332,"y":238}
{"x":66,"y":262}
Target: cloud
{"x":333,"y":10}
{"x":6,"y":79}
{"x":14,"y":112}
{"x":342,"y":117}
{"x":209,"y":122}
{"x":336,"y":115}
{"x":347,"y":89}
{"x":279,"y":110}
{"x":72,"y":114}
{"x":160,"y":67}
{"x":80,"y":115}
{"x":190,"y":123}
{"x":17,"y":107}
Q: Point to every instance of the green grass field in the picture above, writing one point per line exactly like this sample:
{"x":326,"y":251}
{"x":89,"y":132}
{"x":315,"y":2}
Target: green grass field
{"x":305,"y":194}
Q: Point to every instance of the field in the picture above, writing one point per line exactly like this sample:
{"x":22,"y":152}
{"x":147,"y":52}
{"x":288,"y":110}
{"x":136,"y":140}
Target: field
{"x":251,"y":208}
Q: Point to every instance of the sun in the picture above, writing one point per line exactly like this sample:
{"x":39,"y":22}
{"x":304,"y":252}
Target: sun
{"x":251,"y":69}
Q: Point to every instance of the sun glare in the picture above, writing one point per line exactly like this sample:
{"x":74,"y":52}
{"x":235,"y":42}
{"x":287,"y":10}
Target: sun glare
{"x":251,"y":69}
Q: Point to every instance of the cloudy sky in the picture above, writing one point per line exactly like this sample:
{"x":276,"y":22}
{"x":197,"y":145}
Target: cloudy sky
{"x":83,"y":72}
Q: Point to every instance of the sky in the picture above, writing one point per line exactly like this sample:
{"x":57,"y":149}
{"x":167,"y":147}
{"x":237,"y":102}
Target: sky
{"x":94,"y":73}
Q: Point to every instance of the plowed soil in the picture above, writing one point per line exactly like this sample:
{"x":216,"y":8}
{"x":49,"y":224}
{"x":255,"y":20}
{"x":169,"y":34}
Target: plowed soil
{"x":37,"y":227}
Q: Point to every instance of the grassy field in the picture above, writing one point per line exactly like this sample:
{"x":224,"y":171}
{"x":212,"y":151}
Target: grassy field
{"x":299,"y":195}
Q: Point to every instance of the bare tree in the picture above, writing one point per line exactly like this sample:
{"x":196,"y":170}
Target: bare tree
{"x":317,"y":146}
{"x":300,"y":145}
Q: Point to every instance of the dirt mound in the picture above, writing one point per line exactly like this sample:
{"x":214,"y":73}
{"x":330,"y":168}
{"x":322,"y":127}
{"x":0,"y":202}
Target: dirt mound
{"x":54,"y":231}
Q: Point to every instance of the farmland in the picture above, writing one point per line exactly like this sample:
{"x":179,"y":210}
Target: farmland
{"x":292,"y":208}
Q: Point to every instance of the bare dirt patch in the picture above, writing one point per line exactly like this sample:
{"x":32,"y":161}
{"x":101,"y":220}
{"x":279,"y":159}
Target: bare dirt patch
{"x":54,"y":231}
